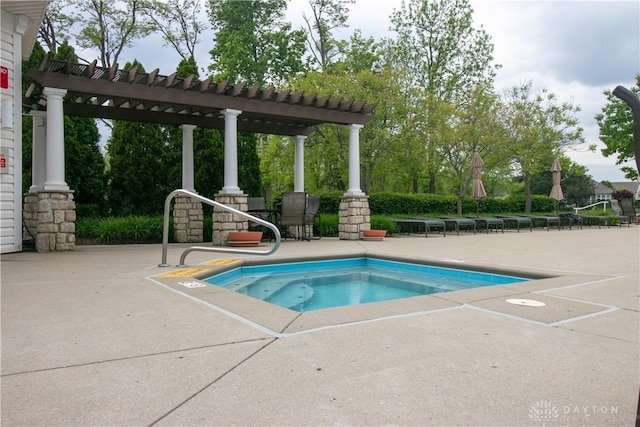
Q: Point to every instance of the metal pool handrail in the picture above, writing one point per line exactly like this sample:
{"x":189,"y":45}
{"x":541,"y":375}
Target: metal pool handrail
{"x":165,"y":229}
{"x":603,"y":202}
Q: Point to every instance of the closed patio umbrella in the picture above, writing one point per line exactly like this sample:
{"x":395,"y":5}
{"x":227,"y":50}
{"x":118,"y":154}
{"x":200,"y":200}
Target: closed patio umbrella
{"x":477,"y":188}
{"x":556,"y":190}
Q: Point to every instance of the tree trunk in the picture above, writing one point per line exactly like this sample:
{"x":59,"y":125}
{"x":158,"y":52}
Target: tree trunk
{"x":527,"y":193}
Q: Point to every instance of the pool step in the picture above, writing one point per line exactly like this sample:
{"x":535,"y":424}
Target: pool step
{"x":291,"y":294}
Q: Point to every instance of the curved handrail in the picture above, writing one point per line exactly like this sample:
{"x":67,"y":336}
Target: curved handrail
{"x":165,"y":229}
{"x":603,"y":202}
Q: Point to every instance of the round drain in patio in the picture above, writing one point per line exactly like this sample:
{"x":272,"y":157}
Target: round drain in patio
{"x":526,"y":302}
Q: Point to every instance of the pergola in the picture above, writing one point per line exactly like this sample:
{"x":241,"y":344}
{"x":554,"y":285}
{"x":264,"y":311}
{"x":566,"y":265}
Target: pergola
{"x":61,"y":88}
{"x":87,"y":90}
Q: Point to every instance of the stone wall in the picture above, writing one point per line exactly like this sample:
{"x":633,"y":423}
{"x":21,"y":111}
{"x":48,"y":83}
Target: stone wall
{"x":51,"y":218}
{"x":188,"y":219}
{"x":224,"y":221}
{"x":354,"y":216}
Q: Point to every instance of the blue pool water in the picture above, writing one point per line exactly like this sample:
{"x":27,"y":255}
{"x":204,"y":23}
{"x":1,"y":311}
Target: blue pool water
{"x":313,"y":285}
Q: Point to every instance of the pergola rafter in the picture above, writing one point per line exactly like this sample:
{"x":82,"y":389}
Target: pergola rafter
{"x":130,"y":95}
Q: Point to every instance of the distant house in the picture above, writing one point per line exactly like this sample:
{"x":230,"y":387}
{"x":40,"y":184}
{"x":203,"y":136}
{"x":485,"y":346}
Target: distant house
{"x":602,"y":192}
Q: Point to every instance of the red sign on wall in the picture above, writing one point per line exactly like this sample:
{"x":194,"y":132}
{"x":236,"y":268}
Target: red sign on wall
{"x":4,"y":77}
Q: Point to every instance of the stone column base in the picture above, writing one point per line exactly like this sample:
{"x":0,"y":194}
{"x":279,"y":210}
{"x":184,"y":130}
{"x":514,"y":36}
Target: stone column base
{"x":354,"y":216}
{"x":224,"y":221}
{"x":51,"y":217}
{"x":188,"y":219}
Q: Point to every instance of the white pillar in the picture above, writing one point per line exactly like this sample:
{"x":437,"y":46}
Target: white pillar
{"x":187,"y":158}
{"x":354,"y":160}
{"x":299,"y":164}
{"x":38,"y":150}
{"x":55,"y":140}
{"x":231,"y":151}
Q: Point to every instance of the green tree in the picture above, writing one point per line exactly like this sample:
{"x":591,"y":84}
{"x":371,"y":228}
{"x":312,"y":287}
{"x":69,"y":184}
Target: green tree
{"x":445,"y":57}
{"x":326,"y":17}
{"x":144,"y":168}
{"x":179,"y":23}
{"x":537,"y":129}
{"x":110,"y":26}
{"x":616,"y":130}
{"x":577,"y":185}
{"x":466,"y":129}
{"x":252,"y":43}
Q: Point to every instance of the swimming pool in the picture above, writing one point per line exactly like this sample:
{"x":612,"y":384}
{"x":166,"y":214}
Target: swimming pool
{"x":312,"y":285}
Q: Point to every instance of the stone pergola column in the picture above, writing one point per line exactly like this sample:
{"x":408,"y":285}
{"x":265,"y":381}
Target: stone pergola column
{"x":188,"y":216}
{"x":298,"y":185}
{"x":354,"y":214}
{"x":230,"y":195}
{"x":52,"y":206}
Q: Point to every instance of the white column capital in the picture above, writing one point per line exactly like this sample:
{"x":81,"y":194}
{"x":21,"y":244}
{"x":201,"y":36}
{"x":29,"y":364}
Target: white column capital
{"x":54,"y":92}
{"x":229,"y":112}
{"x":22,"y":24}
{"x":39,"y":117}
{"x":188,"y":128}
{"x":354,"y":126}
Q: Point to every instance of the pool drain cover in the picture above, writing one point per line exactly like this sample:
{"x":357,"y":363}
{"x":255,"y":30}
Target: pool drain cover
{"x":527,"y":302}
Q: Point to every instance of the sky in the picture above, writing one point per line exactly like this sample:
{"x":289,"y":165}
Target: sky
{"x":574,"y":49}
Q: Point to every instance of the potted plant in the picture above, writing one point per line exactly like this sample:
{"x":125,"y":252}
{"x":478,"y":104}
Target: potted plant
{"x":245,"y":238}
{"x":373,"y":234}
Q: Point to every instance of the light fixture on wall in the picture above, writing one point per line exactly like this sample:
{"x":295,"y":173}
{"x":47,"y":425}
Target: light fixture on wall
{"x":7,"y":114}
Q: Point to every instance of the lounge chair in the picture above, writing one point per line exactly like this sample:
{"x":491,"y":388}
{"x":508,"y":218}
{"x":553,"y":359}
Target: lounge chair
{"x":622,"y":217}
{"x":427,"y":223}
{"x":629,"y":210}
{"x":598,"y":220}
{"x":547,"y":220}
{"x":571,"y":220}
{"x":456,"y":223}
{"x":517,"y":221}
{"x":488,"y":222}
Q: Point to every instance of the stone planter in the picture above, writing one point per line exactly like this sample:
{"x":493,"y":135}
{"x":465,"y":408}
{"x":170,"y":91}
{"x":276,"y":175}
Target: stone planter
{"x":373,"y":234}
{"x":245,"y":238}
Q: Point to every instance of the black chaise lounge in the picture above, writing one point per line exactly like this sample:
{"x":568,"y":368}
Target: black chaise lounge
{"x":546,"y":220}
{"x":427,"y":223}
{"x":456,"y":223}
{"x":488,"y":223}
{"x":517,"y":221}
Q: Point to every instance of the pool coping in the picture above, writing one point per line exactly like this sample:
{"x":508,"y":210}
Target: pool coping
{"x":281,"y":322}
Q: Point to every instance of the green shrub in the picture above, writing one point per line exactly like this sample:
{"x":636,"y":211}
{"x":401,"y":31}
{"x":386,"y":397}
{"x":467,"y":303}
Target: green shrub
{"x":132,"y":229}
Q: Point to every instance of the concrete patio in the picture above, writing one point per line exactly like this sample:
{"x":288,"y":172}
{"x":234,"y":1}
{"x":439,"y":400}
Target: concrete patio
{"x":97,"y":337}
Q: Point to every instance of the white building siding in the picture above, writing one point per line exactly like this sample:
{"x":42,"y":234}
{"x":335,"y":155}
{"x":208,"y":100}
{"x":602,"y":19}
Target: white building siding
{"x":10,"y":183}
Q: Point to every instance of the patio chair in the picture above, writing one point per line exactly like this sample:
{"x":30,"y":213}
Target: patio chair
{"x":310,"y":214}
{"x":629,"y":210}
{"x":622,"y":217}
{"x":292,"y":213}
{"x":257,"y":207}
